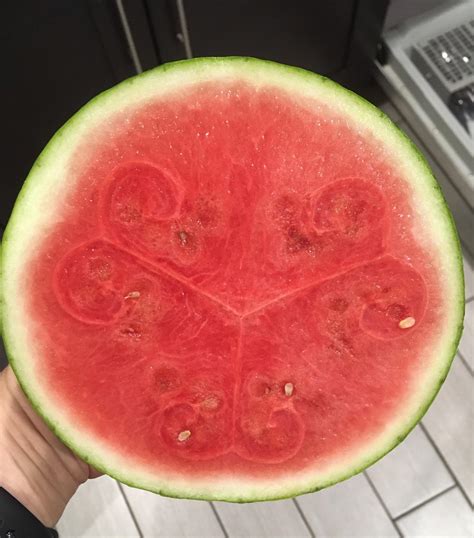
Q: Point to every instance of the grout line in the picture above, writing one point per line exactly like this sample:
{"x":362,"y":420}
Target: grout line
{"x":303,"y":517}
{"x":466,"y":364}
{"x":446,"y":464}
{"x":467,"y":250}
{"x":423,"y":503}
{"x":381,"y":501}
{"x":132,"y":513}
{"x":219,"y":520}
{"x":397,"y":528}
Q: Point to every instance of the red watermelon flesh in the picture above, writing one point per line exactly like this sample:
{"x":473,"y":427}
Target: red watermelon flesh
{"x":232,"y":287}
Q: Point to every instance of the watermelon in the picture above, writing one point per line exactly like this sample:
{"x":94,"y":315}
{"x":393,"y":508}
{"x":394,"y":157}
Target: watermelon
{"x":231,"y":279}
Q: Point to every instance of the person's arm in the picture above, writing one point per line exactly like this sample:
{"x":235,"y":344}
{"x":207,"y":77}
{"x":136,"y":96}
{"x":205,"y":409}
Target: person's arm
{"x":35,"y":467}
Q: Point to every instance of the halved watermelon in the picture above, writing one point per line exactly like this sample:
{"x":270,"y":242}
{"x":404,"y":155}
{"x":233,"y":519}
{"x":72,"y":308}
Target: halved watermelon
{"x":231,"y":279}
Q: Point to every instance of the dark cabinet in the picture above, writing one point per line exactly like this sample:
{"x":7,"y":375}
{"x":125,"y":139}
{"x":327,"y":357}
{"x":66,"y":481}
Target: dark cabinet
{"x":300,"y":33}
{"x":56,"y":55}
{"x":336,"y":39}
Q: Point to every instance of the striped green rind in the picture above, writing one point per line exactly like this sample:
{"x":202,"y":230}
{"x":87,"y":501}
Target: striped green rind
{"x":23,"y":225}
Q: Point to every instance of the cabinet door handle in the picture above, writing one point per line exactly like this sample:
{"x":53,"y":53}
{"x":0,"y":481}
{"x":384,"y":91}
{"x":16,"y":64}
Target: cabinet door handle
{"x":183,"y":35}
{"x":128,"y":36}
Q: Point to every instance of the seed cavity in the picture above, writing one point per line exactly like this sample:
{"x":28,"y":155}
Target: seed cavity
{"x":407,"y":323}
{"x":132,"y":332}
{"x":184,"y":436}
{"x":211,"y":402}
{"x":297,"y":241}
{"x":289,"y":389}
{"x":132,"y":295}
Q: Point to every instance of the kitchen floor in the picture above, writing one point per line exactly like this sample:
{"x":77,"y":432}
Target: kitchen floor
{"x":425,"y":487}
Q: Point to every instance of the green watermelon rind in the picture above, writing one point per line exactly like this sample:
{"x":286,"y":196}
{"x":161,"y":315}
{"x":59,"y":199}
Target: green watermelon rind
{"x":235,"y":492}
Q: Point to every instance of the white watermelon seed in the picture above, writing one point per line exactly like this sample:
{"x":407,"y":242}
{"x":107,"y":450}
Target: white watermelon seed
{"x":407,"y":323}
{"x":289,"y":389}
{"x":132,"y":295}
{"x":183,"y":237}
{"x":184,"y":435}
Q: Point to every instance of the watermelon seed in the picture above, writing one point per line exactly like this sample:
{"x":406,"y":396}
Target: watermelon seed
{"x":407,"y":323}
{"x":183,"y":237}
{"x":184,"y":435}
{"x":289,"y":389}
{"x":132,"y":295}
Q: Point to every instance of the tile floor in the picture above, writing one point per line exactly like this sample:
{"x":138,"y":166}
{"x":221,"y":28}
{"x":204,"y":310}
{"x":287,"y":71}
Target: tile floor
{"x":425,"y":487}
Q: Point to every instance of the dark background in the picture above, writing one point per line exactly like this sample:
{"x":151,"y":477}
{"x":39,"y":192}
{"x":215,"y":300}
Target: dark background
{"x":58,"y":54}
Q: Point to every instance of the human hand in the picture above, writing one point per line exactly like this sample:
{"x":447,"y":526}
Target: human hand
{"x":35,"y":466}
